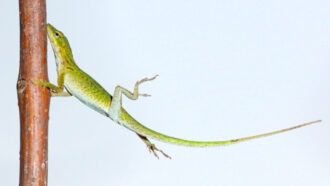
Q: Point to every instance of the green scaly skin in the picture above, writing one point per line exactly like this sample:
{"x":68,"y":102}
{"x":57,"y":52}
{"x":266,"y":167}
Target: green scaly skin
{"x":91,"y":93}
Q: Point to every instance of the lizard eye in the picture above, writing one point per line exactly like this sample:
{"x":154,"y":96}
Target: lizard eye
{"x":57,"y":35}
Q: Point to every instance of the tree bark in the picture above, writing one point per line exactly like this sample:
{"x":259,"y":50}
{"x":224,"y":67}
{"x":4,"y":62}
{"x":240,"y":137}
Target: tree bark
{"x":33,"y":100}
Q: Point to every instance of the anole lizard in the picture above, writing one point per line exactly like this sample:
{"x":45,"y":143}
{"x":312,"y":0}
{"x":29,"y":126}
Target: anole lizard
{"x":91,"y":93}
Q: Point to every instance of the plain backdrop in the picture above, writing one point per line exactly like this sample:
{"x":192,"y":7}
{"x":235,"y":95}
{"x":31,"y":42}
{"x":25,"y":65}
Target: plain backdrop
{"x":227,"y":69}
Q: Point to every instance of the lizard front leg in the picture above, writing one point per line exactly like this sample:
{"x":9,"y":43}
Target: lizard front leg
{"x":56,"y":91}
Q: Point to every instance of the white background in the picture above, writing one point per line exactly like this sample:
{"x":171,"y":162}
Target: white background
{"x":227,"y":69}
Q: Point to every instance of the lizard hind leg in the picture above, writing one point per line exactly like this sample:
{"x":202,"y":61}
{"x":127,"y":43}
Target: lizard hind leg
{"x":115,"y":107}
{"x":152,"y":148}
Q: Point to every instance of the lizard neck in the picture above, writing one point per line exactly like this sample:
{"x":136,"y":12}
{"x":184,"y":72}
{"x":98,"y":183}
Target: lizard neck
{"x":64,"y":60}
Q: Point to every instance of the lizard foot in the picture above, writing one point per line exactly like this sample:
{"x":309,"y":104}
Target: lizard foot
{"x":142,"y":81}
{"x":152,"y":149}
{"x":39,"y":82}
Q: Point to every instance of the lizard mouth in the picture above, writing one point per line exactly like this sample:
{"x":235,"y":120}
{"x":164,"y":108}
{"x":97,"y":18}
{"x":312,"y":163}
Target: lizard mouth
{"x":50,"y":30}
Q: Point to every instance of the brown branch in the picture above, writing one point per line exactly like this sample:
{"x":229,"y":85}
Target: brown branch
{"x":33,"y":100}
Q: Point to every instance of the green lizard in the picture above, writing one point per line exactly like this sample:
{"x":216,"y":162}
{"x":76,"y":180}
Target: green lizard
{"x":87,"y":90}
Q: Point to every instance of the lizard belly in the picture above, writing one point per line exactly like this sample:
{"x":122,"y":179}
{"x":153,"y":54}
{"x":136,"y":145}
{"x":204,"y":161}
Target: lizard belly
{"x":88,"y":91}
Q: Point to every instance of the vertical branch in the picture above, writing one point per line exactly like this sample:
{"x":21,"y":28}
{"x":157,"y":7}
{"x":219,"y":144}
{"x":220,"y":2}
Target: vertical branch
{"x":33,"y":100}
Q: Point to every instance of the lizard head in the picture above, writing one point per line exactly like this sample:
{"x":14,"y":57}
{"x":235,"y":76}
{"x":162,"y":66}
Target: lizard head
{"x":60,"y":44}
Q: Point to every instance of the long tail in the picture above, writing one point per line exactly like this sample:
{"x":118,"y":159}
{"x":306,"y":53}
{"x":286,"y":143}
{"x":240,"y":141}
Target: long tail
{"x":135,"y":126}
